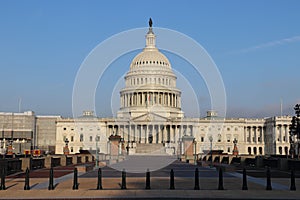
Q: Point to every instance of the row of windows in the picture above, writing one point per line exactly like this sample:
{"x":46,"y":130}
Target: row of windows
{"x":97,"y":138}
{"x":219,"y":139}
{"x":137,"y":81}
{"x":72,"y":129}
{"x":151,"y":62}
{"x":228,"y":129}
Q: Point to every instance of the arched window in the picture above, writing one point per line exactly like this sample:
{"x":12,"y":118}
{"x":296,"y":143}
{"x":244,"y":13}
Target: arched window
{"x":280,"y":150}
{"x":91,"y":138}
{"x":255,"y":150}
{"x":249,"y":150}
{"x":260,"y":150}
{"x":286,"y":150}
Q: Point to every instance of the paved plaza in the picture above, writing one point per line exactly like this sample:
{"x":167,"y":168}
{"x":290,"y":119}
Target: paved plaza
{"x":160,"y":183}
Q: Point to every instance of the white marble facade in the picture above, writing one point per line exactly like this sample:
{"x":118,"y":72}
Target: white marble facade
{"x":151,"y":112}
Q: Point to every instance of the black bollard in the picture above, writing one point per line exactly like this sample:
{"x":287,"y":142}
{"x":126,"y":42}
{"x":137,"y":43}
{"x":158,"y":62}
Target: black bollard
{"x":197,"y":187}
{"x":148,"y":180}
{"x":269,"y":186}
{"x":2,"y":186}
{"x":123,"y":186}
{"x":75,"y":180}
{"x":293,"y":184}
{"x":245,"y":185}
{"x":51,"y":185}
{"x":26,"y":186}
{"x":172,"y":184}
{"x":99,"y":184}
{"x":220,"y":187}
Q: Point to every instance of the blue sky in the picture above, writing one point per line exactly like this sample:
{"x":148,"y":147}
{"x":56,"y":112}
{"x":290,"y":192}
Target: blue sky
{"x":255,"y":44}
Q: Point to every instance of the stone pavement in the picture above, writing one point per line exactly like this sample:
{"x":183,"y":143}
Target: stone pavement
{"x":184,"y":186}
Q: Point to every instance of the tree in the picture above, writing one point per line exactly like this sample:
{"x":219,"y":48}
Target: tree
{"x":295,"y":131}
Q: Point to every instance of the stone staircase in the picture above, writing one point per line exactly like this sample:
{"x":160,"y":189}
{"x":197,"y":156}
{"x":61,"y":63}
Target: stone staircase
{"x":150,"y":149}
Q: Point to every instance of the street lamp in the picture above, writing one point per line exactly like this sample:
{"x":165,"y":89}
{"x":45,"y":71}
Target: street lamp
{"x":211,"y":161}
{"x":195,"y":151}
{"x":97,"y":153}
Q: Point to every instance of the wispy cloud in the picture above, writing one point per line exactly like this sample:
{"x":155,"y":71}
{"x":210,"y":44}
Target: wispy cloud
{"x":267,"y":45}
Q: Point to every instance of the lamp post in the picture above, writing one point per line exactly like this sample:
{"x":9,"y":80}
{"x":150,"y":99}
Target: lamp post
{"x":211,"y":161}
{"x":97,"y":153}
{"x":195,"y":151}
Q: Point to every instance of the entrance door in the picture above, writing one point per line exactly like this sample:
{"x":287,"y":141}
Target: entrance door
{"x":150,"y":139}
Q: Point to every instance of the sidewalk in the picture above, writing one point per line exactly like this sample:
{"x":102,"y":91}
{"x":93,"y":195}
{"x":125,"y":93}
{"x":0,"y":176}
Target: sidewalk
{"x":135,"y":189}
{"x":184,"y":186}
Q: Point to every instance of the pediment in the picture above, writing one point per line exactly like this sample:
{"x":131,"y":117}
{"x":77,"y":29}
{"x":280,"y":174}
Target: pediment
{"x":150,"y":117}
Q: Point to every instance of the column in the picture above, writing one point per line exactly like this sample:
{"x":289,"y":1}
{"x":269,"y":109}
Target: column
{"x":176,"y":134}
{"x":250,"y":134}
{"x":143,"y":100}
{"x":141,"y":133}
{"x":121,"y":101}
{"x":160,"y":132}
{"x":125,"y":133}
{"x":129,"y":133}
{"x":281,"y":135}
{"x":245,"y":134}
{"x":165,"y":133}
{"x":133,"y":99}
{"x":125,"y":100}
{"x":146,"y":135}
{"x":255,"y":134}
{"x":262,"y":135}
{"x":135,"y":133}
{"x":174,"y":100}
{"x":154,"y":133}
{"x":180,"y":131}
{"x":286,"y":135}
{"x":171,"y":133}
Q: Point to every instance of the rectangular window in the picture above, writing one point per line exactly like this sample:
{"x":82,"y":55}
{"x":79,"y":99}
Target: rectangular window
{"x":72,"y":138}
{"x":91,"y":138}
{"x":202,"y":139}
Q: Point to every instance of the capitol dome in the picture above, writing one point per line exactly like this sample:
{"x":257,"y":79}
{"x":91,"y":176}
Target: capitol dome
{"x":150,"y":84}
{"x":150,"y":58}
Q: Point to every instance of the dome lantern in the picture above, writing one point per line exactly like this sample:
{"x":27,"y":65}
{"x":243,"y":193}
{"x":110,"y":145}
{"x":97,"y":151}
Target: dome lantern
{"x":150,"y":37}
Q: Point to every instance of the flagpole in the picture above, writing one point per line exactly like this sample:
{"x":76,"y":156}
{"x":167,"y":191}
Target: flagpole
{"x":281,"y":107}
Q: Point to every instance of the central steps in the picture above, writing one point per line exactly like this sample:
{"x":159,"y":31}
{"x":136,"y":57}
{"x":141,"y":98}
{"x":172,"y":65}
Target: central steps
{"x":154,"y":149}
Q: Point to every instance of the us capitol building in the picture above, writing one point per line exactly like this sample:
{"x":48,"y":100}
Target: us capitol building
{"x":150,"y":120}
